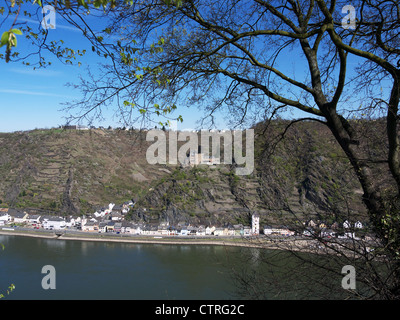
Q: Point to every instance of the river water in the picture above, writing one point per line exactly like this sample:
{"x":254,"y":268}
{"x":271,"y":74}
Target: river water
{"x":90,"y":270}
{"x":100,"y":270}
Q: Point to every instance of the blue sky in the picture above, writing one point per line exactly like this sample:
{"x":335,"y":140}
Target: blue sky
{"x":32,"y":99}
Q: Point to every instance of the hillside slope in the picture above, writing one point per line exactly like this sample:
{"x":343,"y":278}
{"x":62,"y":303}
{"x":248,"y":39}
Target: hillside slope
{"x":305,"y":175}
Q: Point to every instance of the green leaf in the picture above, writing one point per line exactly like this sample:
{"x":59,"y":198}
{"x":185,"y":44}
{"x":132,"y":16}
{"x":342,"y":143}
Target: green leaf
{"x":4,"y":38}
{"x":16,"y":31}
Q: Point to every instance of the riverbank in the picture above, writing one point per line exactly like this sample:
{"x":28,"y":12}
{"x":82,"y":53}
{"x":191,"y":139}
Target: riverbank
{"x":250,"y":242}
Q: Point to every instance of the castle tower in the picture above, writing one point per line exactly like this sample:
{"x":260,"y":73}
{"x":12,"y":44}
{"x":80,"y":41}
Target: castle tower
{"x":255,"y":224}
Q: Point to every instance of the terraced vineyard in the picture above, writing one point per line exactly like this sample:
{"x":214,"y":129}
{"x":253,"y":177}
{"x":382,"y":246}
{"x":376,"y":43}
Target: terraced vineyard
{"x":75,"y":172}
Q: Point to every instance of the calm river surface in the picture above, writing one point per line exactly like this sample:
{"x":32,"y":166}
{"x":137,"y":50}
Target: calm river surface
{"x":98,"y":270}
{"x":90,"y":270}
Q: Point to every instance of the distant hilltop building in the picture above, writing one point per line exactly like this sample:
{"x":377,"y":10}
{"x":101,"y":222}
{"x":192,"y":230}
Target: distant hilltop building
{"x":195,"y":158}
{"x":75,"y":127}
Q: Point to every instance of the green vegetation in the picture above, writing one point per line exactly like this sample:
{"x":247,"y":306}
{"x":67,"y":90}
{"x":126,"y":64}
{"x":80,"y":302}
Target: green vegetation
{"x":74,"y":172}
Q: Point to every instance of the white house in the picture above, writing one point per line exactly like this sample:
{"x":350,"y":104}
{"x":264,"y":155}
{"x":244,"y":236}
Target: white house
{"x":103,"y":211}
{"x":99,"y":213}
{"x":4,"y":218}
{"x":53,"y":223}
{"x":126,"y":227}
{"x":163,"y":229}
{"x":20,"y":217}
{"x":172,"y":231}
{"x":78,"y":220}
{"x":90,"y":226}
{"x":183,"y":231}
{"x":72,"y":222}
{"x":311,"y":224}
{"x":346,"y":224}
{"x":103,"y":226}
{"x":117,"y":227}
{"x":348,"y":235}
{"x":33,"y":219}
{"x":219,"y":232}
{"x":110,"y":207}
{"x":150,"y":230}
{"x":201,"y":231}
{"x":116,"y":216}
{"x":125,"y":209}
{"x":308,"y":232}
{"x":283,"y":231}
{"x":268,"y":230}
{"x":136,"y":229}
{"x":209,"y":230}
{"x":327,"y":233}
{"x":358,"y":225}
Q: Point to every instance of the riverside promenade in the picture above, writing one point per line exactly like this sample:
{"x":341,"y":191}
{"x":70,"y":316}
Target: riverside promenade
{"x":291,"y":243}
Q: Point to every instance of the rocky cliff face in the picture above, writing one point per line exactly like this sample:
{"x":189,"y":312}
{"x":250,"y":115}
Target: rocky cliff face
{"x":304,"y":176}
{"x":300,"y":176}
